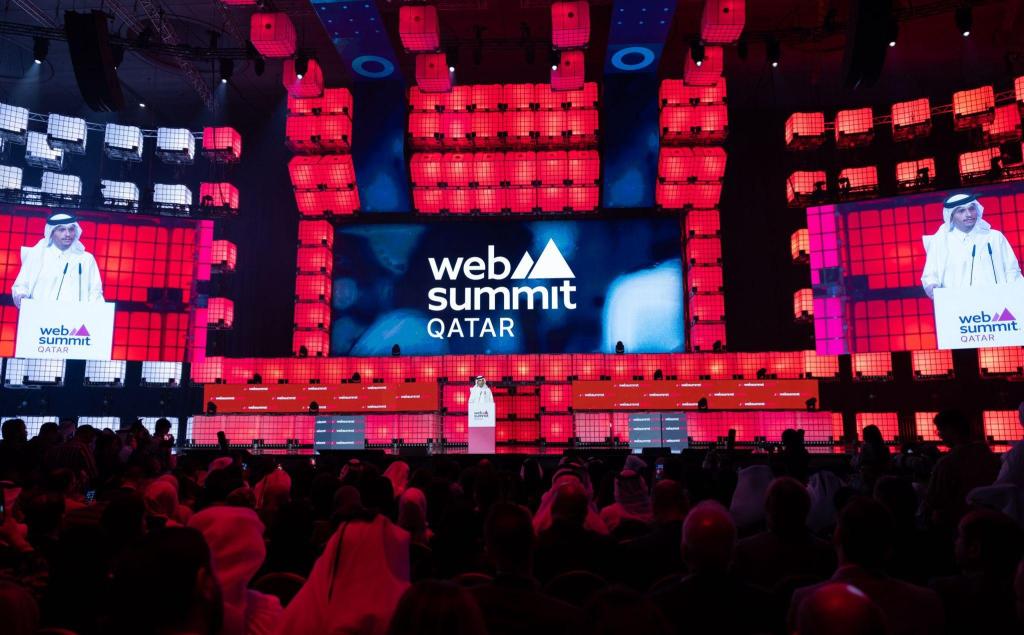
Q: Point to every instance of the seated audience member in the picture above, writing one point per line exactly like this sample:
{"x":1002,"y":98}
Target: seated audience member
{"x":839,"y":609}
{"x":863,"y":541}
{"x":165,"y":584}
{"x":19,"y":610}
{"x":74,"y":454}
{"x":793,"y":459}
{"x":967,"y":465}
{"x":630,"y":515}
{"x":787,"y":549}
{"x":706,"y":600}
{"x":646,"y":559}
{"x":913,"y":552}
{"x":432,"y":607}
{"x":398,"y":474}
{"x":980,"y":598}
{"x":235,"y":537}
{"x":273,"y":491}
{"x":542,"y":519}
{"x":567,"y":545}
{"x":356,"y":583}
{"x":412,"y":516}
{"x":872,"y":458}
{"x":747,"y":505}
{"x":162,"y":505}
{"x":513,"y":602}
{"x":620,"y":611}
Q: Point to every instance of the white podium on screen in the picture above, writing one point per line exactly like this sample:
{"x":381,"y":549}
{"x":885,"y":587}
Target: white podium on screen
{"x":481,"y":428}
{"x":65,"y":330}
{"x":980,"y":317}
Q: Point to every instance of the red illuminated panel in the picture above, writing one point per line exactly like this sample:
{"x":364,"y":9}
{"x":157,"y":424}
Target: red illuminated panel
{"x":1005,"y":124}
{"x":972,"y":108}
{"x":316,"y":232}
{"x":425,"y":168}
{"x":315,"y":259}
{"x":432,"y":74}
{"x":709,"y":72}
{"x":333,"y":172}
{"x":707,"y":308}
{"x":1018,"y":89}
{"x":272,"y":34}
{"x":312,"y":287}
{"x":418,"y":29}
{"x":799,"y":244}
{"x":704,"y":279}
{"x":803,"y":304}
{"x":694,"y":122}
{"x":679,"y":395}
{"x":924,"y":425}
{"x":243,"y":429}
{"x":329,"y":203}
{"x":316,"y":343}
{"x":911,"y":119}
{"x":1002,"y":425}
{"x":861,"y":181}
{"x":702,"y":223}
{"x":570,"y":24}
{"x":704,"y":336}
{"x":818,"y":427}
{"x":569,"y":73}
{"x":218,"y":195}
{"x":222,"y":144}
{"x":691,"y":164}
{"x":220,"y":312}
{"x":805,"y":130}
{"x":932,"y":363}
{"x":872,"y":365}
{"x":977,"y":163}
{"x":675,"y":92}
{"x":800,"y":186}
{"x":342,"y":398}
{"x":224,"y":253}
{"x":310,"y":85}
{"x":722,"y":21}
{"x":911,"y":174}
{"x":313,"y":315}
{"x":886,"y":422}
{"x":1001,"y":361}
{"x":704,"y":251}
{"x":518,"y":96}
{"x":854,"y":127}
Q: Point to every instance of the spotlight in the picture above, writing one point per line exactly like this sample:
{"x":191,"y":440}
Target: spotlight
{"x":314,"y":407}
{"x":964,"y":20}
{"x":40,"y":48}
{"x":697,"y":52}
{"x":356,"y":378}
{"x":142,"y":104}
{"x":773,"y":51}
{"x":301,"y":65}
{"x":211,"y":408}
{"x":702,"y":403}
{"x":451,"y":57}
{"x":227,"y":68}
{"x":554,"y":67}
{"x":894,"y":31}
{"x":812,"y":403}
{"x":658,"y":375}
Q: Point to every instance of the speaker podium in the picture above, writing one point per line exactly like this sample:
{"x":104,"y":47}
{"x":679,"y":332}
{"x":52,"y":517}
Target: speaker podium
{"x":481,"y":428}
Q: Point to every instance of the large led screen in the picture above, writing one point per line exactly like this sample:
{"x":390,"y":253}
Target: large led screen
{"x":146,"y":267}
{"x":497,"y":287}
{"x":887,"y":272}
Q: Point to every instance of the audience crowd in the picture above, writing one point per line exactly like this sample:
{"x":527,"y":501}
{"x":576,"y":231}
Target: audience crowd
{"x":111,"y":532}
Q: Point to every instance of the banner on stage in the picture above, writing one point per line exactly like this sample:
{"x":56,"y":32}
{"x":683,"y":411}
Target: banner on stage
{"x":980,"y":317}
{"x":65,"y":330}
{"x":724,"y":394}
{"x":340,"y":432}
{"x":343,"y":398}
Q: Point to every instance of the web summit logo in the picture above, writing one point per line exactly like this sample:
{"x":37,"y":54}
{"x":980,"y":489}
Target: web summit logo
{"x":983,"y":327}
{"x":60,"y":337}
{"x":507,"y":295}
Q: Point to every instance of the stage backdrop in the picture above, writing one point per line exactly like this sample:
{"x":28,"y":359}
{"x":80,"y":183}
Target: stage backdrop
{"x":491,"y":286}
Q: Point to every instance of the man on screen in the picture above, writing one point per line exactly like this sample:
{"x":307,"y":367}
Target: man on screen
{"x":58,"y":267}
{"x":966,"y":251}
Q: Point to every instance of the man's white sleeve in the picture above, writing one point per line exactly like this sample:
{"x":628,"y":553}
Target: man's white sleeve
{"x":1010,"y":265}
{"x":95,"y":282}
{"x":931,"y":274}
{"x":20,"y":286}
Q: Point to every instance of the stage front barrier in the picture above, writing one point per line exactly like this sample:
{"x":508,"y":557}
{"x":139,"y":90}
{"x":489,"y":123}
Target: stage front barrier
{"x":481,"y":428}
{"x":980,"y":317}
{"x":65,"y":330}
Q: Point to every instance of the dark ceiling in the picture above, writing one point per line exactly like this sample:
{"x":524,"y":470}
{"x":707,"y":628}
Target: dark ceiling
{"x":490,"y":39}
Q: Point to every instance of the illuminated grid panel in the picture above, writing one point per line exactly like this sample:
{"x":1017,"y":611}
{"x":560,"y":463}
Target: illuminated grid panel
{"x":978,"y":163}
{"x":142,"y":335}
{"x":161,"y":372}
{"x":704,"y":251}
{"x":1002,"y":425}
{"x":706,"y":279}
{"x":872,"y":365}
{"x":273,"y":34}
{"x":691,"y":164}
{"x":675,"y":92}
{"x":222,"y":144}
{"x":555,"y":367}
{"x":592,"y":427}
{"x":862,"y":180}
{"x":932,"y":363}
{"x":1001,"y":361}
{"x":911,"y":173}
{"x":224,"y":254}
{"x":703,"y":122}
{"x":880,"y":243}
{"x":711,"y":426}
{"x":886,"y":422}
{"x":589,"y":366}
{"x":854,"y":127}
{"x":1005,"y":125}
{"x":555,"y":397}
{"x":703,"y":336}
{"x":570,"y":24}
{"x":803,"y":304}
{"x":17,"y":371}
{"x":519,"y":430}
{"x":974,"y":107}
{"x":242,"y":429}
{"x":408,"y":428}
{"x":568,"y":73}
{"x":104,"y":372}
{"x":802,"y":185}
{"x":100,"y":423}
{"x":710,"y":70}
{"x":911,"y":119}
{"x":418,"y":28}
{"x":799,"y":244}
{"x":1018,"y":89}
{"x":523,"y":367}
{"x":722,"y":21}
{"x":820,"y":366}
{"x":805,"y":130}
{"x":556,"y":428}
{"x":707,"y":308}
{"x":924,"y":426}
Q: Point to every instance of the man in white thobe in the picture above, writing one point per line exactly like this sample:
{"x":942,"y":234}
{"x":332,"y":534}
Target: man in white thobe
{"x":480,"y":393}
{"x":966,"y":251}
{"x":58,"y":267}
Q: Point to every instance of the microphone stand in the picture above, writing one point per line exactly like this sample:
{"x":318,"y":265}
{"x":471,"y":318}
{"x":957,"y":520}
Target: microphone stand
{"x":993,"y":261}
{"x":61,"y":285}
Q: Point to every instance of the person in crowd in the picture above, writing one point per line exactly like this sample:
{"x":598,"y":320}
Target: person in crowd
{"x":872,"y":458}
{"x":273,"y":491}
{"x":630,"y":515}
{"x":567,"y":545}
{"x":913,"y":550}
{"x":648,"y":558}
{"x":542,"y":519}
{"x":705,"y":600}
{"x":235,"y":538}
{"x":398,"y":474}
{"x":839,"y":609}
{"x":75,"y":454}
{"x":513,"y":602}
{"x":620,"y":611}
{"x":794,"y":459}
{"x":412,"y":516}
{"x":356,"y":583}
{"x":747,"y":505}
{"x":165,"y":583}
{"x":162,"y":504}
{"x":967,"y":465}
{"x":13,"y":450}
{"x":787,"y":549}
{"x":863,"y":540}
{"x":434,"y":606}
{"x":980,"y":598}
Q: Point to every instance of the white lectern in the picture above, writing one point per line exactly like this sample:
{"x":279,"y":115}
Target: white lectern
{"x":980,"y":317}
{"x":65,"y":330}
{"x":481,"y":428}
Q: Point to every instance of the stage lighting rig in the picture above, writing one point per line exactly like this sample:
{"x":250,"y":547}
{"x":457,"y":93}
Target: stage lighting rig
{"x":40,"y":49}
{"x":301,"y":65}
{"x":964,"y":18}
{"x":227,"y":69}
{"x":697,"y":52}
{"x":773,"y":51}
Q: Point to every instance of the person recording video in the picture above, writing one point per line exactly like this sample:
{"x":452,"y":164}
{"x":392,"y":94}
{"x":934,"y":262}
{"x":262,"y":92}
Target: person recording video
{"x":966,"y":251}
{"x":58,"y":267}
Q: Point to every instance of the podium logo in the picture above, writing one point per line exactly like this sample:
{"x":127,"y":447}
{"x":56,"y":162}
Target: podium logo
{"x":995,"y":322}
{"x":63,"y":336}
{"x":492,"y":283}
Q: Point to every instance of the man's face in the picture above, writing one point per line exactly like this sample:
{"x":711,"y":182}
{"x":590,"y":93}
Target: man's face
{"x":966,"y":217}
{"x":64,"y":236}
{"x":480,"y":382}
